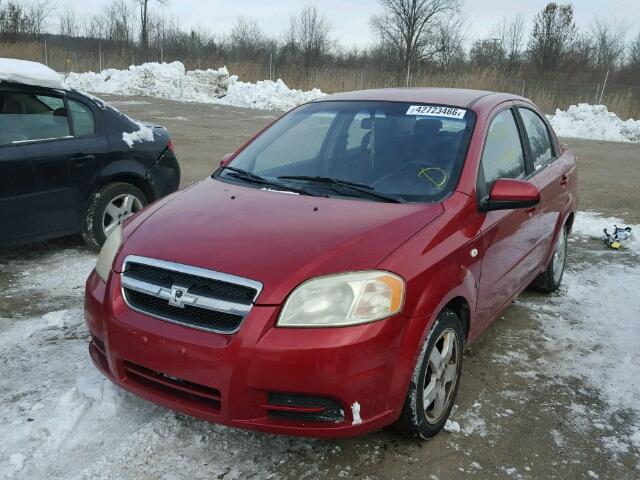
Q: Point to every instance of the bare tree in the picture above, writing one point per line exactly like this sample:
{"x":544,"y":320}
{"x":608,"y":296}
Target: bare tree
{"x":582,"y":55}
{"x":609,"y":43}
{"x":487,"y":53}
{"x":40,"y":11}
{"x":554,"y":31}
{"x":246,"y":39}
{"x":14,"y":22}
{"x":511,"y":34}
{"x":69,"y":25}
{"x":114,"y":22}
{"x":309,"y":34}
{"x":448,"y":42}
{"x":144,"y":20}
{"x":409,"y":25}
{"x":634,"y":54}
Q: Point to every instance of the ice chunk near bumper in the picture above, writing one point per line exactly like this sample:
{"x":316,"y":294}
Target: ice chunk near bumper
{"x":355,"y":412}
{"x":30,"y":73}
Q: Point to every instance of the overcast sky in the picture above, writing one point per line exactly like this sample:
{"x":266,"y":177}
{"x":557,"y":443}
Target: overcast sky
{"x":350,"y":18}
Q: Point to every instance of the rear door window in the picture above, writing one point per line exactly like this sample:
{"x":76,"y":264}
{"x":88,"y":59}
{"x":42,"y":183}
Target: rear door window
{"x":82,"y":118}
{"x":503,"y":156}
{"x":27,"y":117}
{"x":539,"y":139}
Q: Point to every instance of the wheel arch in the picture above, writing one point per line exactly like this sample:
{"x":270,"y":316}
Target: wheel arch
{"x":460,"y":306}
{"x":131,"y":178}
{"x":569,"y":221}
{"x":566,"y":219}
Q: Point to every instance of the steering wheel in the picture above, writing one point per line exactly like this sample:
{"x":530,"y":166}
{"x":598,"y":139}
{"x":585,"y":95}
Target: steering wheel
{"x":421,"y":167}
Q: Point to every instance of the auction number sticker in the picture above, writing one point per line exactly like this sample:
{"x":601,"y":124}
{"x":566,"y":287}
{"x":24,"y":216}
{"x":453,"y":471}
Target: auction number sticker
{"x":436,"y":111}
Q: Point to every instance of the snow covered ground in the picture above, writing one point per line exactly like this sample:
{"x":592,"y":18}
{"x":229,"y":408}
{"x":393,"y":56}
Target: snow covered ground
{"x":60,"y":419}
{"x":592,"y":330}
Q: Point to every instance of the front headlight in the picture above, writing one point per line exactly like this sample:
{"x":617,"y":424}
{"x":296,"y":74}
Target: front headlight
{"x":343,"y":299}
{"x":108,"y":253}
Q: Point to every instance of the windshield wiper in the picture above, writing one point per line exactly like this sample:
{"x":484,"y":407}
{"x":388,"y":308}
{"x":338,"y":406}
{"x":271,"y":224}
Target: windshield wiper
{"x":255,"y":178}
{"x":356,"y":187}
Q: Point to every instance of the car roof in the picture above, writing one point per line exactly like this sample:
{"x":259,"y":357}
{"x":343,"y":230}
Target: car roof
{"x":456,"y":97}
{"x":14,"y":70}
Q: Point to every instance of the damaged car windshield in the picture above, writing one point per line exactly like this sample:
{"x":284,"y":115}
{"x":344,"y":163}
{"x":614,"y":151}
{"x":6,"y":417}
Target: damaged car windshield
{"x":396,"y":151}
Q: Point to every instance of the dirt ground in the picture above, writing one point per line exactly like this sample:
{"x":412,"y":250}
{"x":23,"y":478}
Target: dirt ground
{"x":520,"y":417}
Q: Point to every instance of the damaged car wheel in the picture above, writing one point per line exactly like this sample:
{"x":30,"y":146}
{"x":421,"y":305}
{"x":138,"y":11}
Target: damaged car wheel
{"x":434,"y":383}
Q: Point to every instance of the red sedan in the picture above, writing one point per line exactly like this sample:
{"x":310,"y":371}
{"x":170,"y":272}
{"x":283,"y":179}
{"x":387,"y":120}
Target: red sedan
{"x":325,"y":279}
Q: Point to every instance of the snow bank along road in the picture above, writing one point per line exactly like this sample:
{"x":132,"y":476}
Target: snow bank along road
{"x":551,"y":390}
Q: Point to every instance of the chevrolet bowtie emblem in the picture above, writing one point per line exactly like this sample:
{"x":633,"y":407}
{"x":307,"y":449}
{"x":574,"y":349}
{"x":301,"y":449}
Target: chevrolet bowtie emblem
{"x":178,"y":297}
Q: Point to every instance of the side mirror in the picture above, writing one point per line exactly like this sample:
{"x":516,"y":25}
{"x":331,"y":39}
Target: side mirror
{"x":226,"y":159}
{"x":507,"y":194}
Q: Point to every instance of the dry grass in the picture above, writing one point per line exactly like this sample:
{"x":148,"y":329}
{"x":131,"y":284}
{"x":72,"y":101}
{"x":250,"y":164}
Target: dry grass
{"x":548,"y":93}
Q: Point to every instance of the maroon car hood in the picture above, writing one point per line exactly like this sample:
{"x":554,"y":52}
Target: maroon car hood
{"x":279,"y":239}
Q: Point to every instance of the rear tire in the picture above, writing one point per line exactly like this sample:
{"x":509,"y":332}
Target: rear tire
{"x":435,"y":379}
{"x":550,"y":280}
{"x":107,"y":208}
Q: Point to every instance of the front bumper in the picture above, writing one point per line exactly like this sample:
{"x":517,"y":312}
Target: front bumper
{"x":234,"y":379}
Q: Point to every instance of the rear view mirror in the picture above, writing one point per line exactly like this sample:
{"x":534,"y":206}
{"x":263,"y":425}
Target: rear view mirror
{"x":507,"y":194}
{"x":226,"y":159}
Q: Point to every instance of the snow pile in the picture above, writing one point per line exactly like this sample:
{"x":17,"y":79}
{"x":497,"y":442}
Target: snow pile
{"x":267,"y":95}
{"x":594,"y":122}
{"x":162,"y":80}
{"x":30,"y":73}
{"x":172,"y":81}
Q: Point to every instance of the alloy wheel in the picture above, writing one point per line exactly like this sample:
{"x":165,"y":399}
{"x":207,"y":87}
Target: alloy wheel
{"x":559,"y":256}
{"x":119,"y":208}
{"x":441,"y":375}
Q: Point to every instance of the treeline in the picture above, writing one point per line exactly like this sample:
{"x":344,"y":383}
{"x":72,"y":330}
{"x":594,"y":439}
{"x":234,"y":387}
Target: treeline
{"x":414,"y":42}
{"x":408,"y":34}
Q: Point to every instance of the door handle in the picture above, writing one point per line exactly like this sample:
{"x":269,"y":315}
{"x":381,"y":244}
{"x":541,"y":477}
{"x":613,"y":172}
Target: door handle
{"x":564,"y":180}
{"x":81,"y":160}
{"x":530,"y":209}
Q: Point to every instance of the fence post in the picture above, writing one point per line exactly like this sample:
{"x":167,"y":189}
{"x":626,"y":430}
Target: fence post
{"x":100,"y":55}
{"x":46,"y":54}
{"x":271,"y":67}
{"x":603,"y":85}
{"x":524,"y":82}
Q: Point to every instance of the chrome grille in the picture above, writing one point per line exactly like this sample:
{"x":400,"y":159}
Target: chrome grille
{"x":190,"y":296}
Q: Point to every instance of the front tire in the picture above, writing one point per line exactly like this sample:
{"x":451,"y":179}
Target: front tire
{"x":435,"y":380}
{"x":549,"y":280}
{"x":107,"y":208}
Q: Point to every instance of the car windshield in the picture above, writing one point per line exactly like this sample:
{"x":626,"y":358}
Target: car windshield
{"x":380,"y":151}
